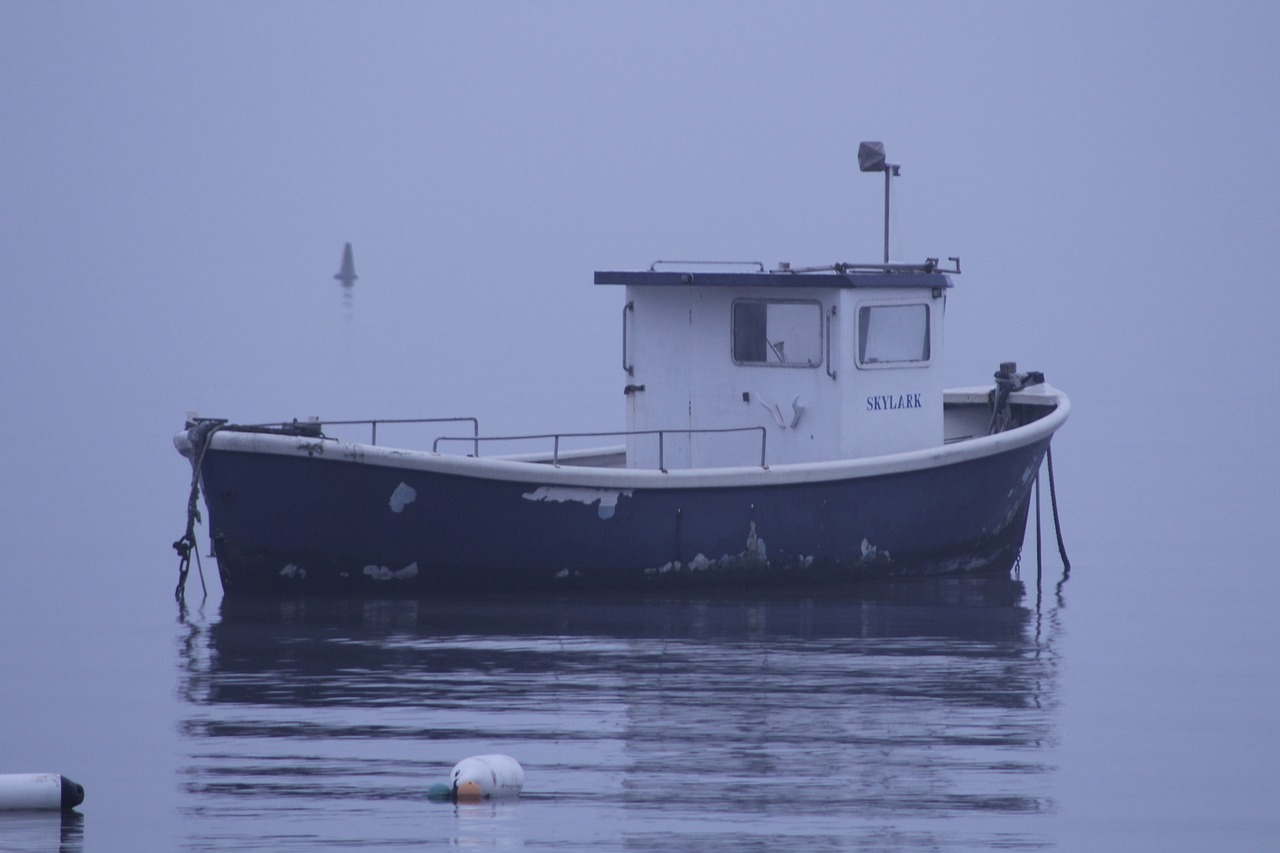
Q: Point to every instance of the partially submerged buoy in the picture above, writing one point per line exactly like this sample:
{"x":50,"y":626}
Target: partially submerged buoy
{"x":481,"y":777}
{"x":39,"y":791}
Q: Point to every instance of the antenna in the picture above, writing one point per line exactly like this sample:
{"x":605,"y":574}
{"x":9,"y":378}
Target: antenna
{"x":871,"y":158}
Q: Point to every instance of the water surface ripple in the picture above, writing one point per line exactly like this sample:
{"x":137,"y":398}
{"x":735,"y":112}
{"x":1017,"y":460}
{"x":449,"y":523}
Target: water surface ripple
{"x":910,"y":716}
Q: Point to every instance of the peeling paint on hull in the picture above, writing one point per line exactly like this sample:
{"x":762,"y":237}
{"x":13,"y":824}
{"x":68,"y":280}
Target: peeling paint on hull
{"x":323,"y":524}
{"x":605,"y":499}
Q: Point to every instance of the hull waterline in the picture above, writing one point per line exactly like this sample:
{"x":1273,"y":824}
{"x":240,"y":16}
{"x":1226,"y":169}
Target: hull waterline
{"x":289,"y":514}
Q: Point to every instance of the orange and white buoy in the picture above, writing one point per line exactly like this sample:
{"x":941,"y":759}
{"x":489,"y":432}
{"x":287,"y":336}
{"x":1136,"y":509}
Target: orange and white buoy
{"x":481,"y":777}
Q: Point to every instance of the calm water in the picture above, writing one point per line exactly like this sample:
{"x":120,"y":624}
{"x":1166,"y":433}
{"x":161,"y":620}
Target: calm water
{"x":1132,"y":707}
{"x":917,"y":715}
{"x":798,"y":723}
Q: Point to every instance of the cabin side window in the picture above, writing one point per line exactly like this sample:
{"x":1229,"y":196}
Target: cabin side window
{"x":777,"y":333}
{"x":893,"y":334}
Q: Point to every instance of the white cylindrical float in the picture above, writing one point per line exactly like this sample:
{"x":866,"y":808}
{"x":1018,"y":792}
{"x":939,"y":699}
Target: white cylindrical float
{"x":483,"y":776}
{"x":39,"y":791}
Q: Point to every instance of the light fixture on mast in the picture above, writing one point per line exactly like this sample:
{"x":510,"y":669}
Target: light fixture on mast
{"x":871,"y":159}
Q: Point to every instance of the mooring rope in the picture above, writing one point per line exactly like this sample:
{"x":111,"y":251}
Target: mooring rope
{"x":1039,"y":559}
{"x":200,"y":435}
{"x":1053,"y":500}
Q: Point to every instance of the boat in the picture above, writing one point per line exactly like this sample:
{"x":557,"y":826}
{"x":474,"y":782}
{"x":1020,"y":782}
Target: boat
{"x":785,"y":426}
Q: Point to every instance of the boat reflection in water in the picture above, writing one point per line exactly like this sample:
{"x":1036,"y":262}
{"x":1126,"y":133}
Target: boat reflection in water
{"x":785,"y":720}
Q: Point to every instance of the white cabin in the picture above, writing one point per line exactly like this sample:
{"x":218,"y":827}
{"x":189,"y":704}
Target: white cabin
{"x":834,"y":364}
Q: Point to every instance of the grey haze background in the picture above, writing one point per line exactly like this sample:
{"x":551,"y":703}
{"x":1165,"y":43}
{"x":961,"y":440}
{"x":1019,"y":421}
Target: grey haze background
{"x":177,"y":181}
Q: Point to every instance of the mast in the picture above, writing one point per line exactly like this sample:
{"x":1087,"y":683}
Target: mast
{"x":871,"y":158}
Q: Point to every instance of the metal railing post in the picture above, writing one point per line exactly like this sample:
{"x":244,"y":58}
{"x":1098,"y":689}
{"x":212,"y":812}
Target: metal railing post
{"x":830,"y":367}
{"x":475,"y":439}
{"x":630,"y":306}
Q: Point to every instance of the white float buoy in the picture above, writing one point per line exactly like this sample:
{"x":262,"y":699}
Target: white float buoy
{"x":39,"y":791}
{"x":484,"y":776}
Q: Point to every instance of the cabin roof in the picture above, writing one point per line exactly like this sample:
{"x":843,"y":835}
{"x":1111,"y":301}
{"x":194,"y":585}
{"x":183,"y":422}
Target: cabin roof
{"x":837,"y":276}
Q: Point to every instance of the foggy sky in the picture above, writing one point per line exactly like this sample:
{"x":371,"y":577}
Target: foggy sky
{"x":177,"y":182}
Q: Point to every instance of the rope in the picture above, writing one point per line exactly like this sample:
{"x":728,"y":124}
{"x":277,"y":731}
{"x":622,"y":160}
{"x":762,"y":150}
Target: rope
{"x":200,"y":435}
{"x":1057,"y":525}
{"x":1008,"y":380}
{"x":1039,"y":560}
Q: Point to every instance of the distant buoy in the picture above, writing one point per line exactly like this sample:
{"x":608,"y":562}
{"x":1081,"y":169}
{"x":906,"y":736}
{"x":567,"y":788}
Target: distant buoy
{"x":481,"y":777}
{"x":347,"y":272}
{"x":39,"y":791}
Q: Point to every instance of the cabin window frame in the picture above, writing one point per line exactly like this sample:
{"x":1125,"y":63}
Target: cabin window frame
{"x":860,"y":335}
{"x":766,"y":301}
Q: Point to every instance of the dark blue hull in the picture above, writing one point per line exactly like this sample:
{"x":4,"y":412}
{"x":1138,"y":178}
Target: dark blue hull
{"x":316,"y":524}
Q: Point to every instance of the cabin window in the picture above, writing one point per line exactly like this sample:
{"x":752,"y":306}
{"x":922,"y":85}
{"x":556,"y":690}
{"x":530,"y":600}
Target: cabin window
{"x":777,"y":333}
{"x":893,"y":334}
